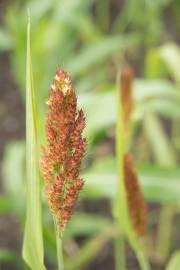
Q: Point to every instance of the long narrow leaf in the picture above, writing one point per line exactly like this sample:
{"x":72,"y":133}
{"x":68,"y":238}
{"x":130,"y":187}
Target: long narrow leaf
{"x":33,"y":243}
{"x":156,"y":187}
{"x":161,"y":148}
{"x":100,"y":51}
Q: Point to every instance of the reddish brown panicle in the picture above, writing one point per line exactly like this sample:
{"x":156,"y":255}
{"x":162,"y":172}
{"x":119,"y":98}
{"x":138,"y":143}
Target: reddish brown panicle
{"x":126,"y":95}
{"x":136,"y":203}
{"x":62,"y":156}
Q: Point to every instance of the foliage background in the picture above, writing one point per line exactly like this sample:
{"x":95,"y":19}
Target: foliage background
{"x":93,"y":40}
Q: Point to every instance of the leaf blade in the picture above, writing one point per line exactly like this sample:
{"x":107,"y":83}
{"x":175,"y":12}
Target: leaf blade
{"x":33,"y":242}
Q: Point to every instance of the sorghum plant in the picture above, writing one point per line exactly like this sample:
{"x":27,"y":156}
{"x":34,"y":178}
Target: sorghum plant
{"x":127,"y":96}
{"x":136,"y":203}
{"x":61,"y":160}
{"x":130,"y":206}
{"x":65,"y":149}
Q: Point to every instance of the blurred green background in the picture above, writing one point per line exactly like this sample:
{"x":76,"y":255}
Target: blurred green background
{"x":93,"y":40}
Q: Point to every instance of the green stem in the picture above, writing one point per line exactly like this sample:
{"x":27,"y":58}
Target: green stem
{"x":120,"y":255}
{"x":144,"y":265}
{"x":59,"y":247}
{"x":120,"y":201}
{"x":102,"y":10}
{"x":164,"y":231}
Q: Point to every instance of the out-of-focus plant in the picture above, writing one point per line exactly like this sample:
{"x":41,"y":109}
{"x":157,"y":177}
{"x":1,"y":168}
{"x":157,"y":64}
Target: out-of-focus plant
{"x":130,"y":210}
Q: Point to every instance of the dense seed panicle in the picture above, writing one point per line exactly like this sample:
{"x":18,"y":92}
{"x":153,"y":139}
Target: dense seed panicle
{"x":136,"y":203}
{"x":126,"y":95}
{"x":61,"y":160}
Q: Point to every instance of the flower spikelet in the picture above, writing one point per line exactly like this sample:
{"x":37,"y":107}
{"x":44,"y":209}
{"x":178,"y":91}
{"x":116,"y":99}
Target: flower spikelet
{"x":136,"y":203}
{"x":61,"y":160}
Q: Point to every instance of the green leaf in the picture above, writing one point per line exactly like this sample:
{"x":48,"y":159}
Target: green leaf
{"x":149,"y":89}
{"x":90,"y":249}
{"x":33,"y":242}
{"x":166,"y":108}
{"x":158,"y":184}
{"x":6,"y":42}
{"x":86,"y":224}
{"x":159,"y":142}
{"x":149,"y":95}
{"x":154,"y":66}
{"x":174,"y":263}
{"x":99,"y":52}
{"x":170,"y":54}
{"x":102,"y":118}
{"x":14,"y":161}
{"x":6,"y":206}
{"x":8,"y":256}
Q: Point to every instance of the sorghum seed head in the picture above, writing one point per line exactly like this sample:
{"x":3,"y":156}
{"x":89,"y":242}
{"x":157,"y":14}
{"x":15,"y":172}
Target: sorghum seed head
{"x":126,"y":95}
{"x":62,"y":156}
{"x":136,"y":203}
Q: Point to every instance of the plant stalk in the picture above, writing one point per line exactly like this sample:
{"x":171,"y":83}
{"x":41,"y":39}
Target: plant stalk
{"x":59,"y":247}
{"x":102,"y":10}
{"x":143,"y":263}
{"x":120,"y":255}
{"x":120,"y":258}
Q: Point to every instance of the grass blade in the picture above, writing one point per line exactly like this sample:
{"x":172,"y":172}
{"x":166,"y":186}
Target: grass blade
{"x":33,"y":242}
{"x":161,"y":148}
